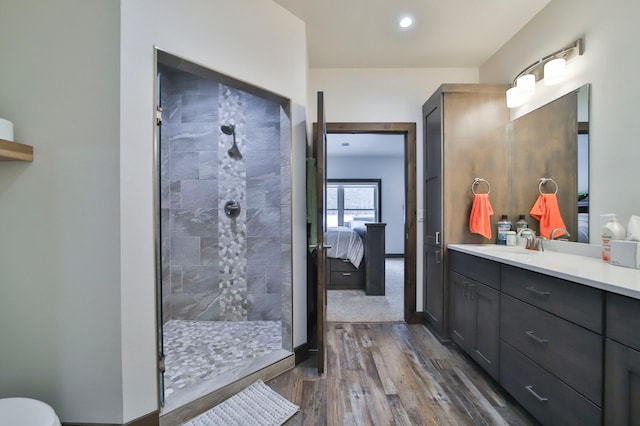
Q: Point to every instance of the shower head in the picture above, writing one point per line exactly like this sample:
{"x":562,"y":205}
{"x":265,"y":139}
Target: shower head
{"x":233,"y":152}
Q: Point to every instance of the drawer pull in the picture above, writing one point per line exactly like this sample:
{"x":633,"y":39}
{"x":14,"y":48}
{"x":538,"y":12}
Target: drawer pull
{"x":536,"y":338}
{"x":536,"y":396}
{"x":346,"y":260}
{"x":538,"y":292}
{"x":346,"y":274}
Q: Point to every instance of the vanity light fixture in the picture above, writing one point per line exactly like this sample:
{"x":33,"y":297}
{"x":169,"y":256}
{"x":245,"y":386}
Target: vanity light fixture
{"x":551,"y":68}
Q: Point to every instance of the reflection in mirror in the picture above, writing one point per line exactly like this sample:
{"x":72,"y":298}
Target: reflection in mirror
{"x":552,"y":142}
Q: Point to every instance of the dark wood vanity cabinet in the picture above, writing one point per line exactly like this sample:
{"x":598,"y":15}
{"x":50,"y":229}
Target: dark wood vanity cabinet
{"x":475,"y":308}
{"x":551,"y":346}
{"x":458,"y":119}
{"x":622,"y":366}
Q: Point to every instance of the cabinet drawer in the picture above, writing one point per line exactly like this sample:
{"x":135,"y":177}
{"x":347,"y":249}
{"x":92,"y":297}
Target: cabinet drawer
{"x":570,"y":352}
{"x":345,"y":280}
{"x":477,"y":268}
{"x":342,"y":265}
{"x":543,"y":395}
{"x":623,"y":320}
{"x":574,"y":302}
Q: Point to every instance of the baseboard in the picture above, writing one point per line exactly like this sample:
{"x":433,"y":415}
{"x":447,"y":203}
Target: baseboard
{"x":151,"y":419}
{"x":417,"y":318}
{"x":394,"y":255}
{"x":301,"y":353}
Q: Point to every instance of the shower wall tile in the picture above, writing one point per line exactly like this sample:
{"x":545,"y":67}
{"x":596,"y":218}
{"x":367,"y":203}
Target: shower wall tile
{"x":199,"y":193}
{"x":200,"y":279}
{"x":263,"y":251}
{"x":185,"y":165}
{"x":285,"y":185}
{"x":185,"y":84}
{"x":208,"y":165}
{"x":185,"y":251}
{"x":209,"y":251}
{"x":176,"y":279}
{"x":264,"y":307}
{"x":176,"y":195}
{"x":273,"y":276}
{"x":263,"y":222}
{"x":199,"y":109}
{"x":263,"y":193}
{"x":263,"y":137}
{"x":285,"y":224}
{"x":195,"y":306}
{"x":192,"y":137}
{"x":256,"y":279}
{"x":194,"y":222}
{"x":263,"y":164}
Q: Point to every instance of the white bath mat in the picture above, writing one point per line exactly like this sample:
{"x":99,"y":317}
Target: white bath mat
{"x":256,"y":405}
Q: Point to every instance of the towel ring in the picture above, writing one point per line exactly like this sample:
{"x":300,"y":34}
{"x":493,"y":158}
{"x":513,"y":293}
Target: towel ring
{"x":545,"y":180}
{"x":476,"y":181}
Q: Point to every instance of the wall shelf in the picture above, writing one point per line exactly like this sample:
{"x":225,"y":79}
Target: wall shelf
{"x":13,"y":151}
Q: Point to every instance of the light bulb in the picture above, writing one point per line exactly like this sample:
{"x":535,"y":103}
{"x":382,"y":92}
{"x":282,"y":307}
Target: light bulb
{"x":554,"y":71}
{"x":526,"y":84}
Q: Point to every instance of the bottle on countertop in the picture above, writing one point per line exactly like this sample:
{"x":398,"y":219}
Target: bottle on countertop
{"x":612,"y":230}
{"x":521,"y":223}
{"x":504,"y":225}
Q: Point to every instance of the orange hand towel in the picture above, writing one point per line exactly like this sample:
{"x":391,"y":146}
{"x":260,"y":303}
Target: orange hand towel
{"x":480,"y":219}
{"x":546,"y":210}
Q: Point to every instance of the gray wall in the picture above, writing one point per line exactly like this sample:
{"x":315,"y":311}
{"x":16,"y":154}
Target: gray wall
{"x":216,"y":268}
{"x":391,"y":171}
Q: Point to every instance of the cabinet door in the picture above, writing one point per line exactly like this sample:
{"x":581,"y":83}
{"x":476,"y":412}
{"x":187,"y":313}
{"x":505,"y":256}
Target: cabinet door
{"x":486,"y":342}
{"x":432,"y":176}
{"x":434,"y":288}
{"x":461,"y":311}
{"x":622,"y":385}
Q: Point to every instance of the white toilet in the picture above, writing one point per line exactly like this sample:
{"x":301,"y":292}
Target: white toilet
{"x":26,"y":412}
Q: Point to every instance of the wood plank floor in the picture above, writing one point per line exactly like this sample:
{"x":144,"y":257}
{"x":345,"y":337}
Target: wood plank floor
{"x":395,"y":374}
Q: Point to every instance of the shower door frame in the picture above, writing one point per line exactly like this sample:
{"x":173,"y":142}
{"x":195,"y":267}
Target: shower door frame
{"x":277,"y":367}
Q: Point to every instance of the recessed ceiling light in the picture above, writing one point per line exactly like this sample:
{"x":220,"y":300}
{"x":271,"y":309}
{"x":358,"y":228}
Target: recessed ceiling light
{"x":406,"y":22}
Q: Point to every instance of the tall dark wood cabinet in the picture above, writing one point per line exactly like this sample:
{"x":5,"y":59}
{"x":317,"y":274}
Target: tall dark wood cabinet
{"x":465,"y":136}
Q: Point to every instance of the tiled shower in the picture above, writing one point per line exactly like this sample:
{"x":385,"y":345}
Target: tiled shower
{"x":234,"y":271}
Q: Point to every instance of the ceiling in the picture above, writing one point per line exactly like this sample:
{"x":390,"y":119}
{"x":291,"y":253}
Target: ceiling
{"x":446,"y":33}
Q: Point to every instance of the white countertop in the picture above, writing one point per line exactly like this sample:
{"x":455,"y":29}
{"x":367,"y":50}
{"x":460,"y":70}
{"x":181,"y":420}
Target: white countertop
{"x":584,"y":270}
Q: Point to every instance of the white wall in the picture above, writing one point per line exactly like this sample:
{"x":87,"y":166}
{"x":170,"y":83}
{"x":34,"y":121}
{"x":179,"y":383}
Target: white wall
{"x":59,"y":216}
{"x":391,"y":171}
{"x":610,"y":63}
{"x":384,"y":95}
{"x":251,"y":40}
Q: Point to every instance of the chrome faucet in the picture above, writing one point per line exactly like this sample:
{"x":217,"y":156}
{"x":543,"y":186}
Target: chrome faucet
{"x":533,"y":242}
{"x":563,"y":232}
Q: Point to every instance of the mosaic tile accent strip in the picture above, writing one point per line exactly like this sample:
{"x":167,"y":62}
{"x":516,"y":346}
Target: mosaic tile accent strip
{"x":232,"y":232}
{"x":199,"y":350}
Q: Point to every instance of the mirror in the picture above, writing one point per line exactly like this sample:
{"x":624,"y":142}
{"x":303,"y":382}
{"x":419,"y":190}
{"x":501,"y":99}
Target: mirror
{"x":552,"y":143}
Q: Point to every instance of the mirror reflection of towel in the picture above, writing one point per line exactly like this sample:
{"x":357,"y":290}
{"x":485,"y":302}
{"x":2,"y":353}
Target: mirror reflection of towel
{"x":546,"y":210}
{"x":480,"y":219}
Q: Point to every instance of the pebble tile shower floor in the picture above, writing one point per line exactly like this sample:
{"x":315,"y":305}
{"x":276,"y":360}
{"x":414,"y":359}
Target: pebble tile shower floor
{"x":199,"y":350}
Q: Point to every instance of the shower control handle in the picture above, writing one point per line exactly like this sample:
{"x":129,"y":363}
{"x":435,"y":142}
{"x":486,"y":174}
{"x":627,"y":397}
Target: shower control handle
{"x":232,"y":209}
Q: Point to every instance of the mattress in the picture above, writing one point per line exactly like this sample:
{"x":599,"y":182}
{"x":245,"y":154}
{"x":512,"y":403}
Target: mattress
{"x":345,"y":244}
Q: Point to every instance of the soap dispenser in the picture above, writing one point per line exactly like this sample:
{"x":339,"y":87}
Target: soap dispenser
{"x":612,"y":230}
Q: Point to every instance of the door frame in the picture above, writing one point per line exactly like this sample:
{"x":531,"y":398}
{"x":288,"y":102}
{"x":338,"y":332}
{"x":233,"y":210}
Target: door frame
{"x":410,"y":220}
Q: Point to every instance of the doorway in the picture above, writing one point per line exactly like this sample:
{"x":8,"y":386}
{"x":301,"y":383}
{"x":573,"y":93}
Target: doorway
{"x":407,"y":131}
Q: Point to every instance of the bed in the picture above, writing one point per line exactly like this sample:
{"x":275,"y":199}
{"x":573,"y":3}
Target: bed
{"x":356,"y":252}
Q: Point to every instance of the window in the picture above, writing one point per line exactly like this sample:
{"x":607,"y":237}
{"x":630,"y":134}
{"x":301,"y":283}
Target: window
{"x":353,"y":199}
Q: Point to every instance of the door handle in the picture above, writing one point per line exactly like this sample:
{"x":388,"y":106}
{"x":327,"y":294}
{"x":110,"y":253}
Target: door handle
{"x":319,"y":246}
{"x":437,"y":237}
